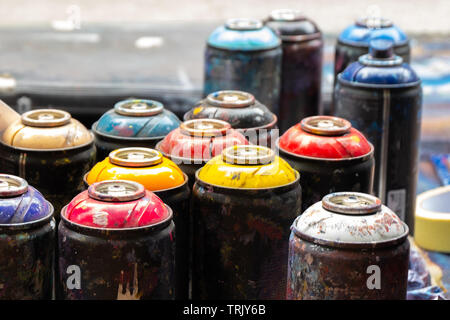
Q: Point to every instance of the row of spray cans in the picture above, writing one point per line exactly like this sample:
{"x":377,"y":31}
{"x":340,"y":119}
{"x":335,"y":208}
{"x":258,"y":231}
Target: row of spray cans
{"x":208,"y":193}
{"x":243,"y":202}
{"x":374,"y":86}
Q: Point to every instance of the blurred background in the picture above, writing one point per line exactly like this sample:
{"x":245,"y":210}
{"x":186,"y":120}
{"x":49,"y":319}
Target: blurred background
{"x":83,"y":56}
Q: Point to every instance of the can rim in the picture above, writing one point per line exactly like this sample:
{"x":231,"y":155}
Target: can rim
{"x":359,"y":44}
{"x":326,"y":125}
{"x":80,"y":146}
{"x":115,"y":230}
{"x":204,"y":127}
{"x":119,"y":138}
{"x":377,"y":86}
{"x":247,"y":99}
{"x":383,"y":22}
{"x":294,"y":155}
{"x":244,"y":24}
{"x":116,"y":191}
{"x":138,"y":107}
{"x":248,"y":155}
{"x":368,"y":204}
{"x":296,"y":181}
{"x":182,"y":160}
{"x":11,"y":185}
{"x":185,"y":181}
{"x":46,"y":118}
{"x":30,"y":224}
{"x":144,"y":157}
{"x":351,"y":245}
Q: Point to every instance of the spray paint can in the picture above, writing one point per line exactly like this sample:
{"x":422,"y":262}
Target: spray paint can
{"x":242,"y":111}
{"x":382,"y":97}
{"x":116,"y":241}
{"x":27,"y":234}
{"x":197,"y":141}
{"x":348,"y":246}
{"x":354,"y":41}
{"x":163,"y":177}
{"x":244,"y":55}
{"x":242,"y":203}
{"x":132,"y":123}
{"x":301,"y":73}
{"x":51,"y":150}
{"x":330,"y":155}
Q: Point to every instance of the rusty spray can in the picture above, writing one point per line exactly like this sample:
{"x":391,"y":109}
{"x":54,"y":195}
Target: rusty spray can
{"x":301,"y":72}
{"x":244,"y":201}
{"x":116,"y":241}
{"x":382,"y":97}
{"x":51,"y":150}
{"x":197,"y":141}
{"x":244,"y":55}
{"x":348,"y":246}
{"x":27,"y":235}
{"x":132,"y":123}
{"x":164,"y":178}
{"x":330,"y":155}
{"x":354,"y":42}
{"x":242,"y":111}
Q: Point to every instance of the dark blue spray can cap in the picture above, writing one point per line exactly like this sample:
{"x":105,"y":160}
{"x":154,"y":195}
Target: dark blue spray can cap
{"x":21,"y":203}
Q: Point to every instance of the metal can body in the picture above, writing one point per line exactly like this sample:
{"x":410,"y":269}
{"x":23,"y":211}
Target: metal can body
{"x":389,"y":115}
{"x":323,"y":169}
{"x":242,"y":111}
{"x":244,"y":55}
{"x":240,"y":236}
{"x":163,"y":178}
{"x":27,"y":235}
{"x":301,"y":73}
{"x":132,"y":123}
{"x":133,"y":236}
{"x":53,"y":159}
{"x":347,"y":260}
{"x":139,"y":265}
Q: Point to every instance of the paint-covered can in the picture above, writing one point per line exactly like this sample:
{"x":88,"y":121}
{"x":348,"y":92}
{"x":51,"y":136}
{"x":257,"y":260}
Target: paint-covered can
{"x":51,"y":150}
{"x":382,"y":97}
{"x":132,"y":123}
{"x":242,"y":111}
{"x":27,"y":235}
{"x":244,"y":201}
{"x":354,"y":41}
{"x":116,"y":241}
{"x":164,"y":178}
{"x":196,"y":141}
{"x":330,"y":155}
{"x":348,"y":246}
{"x":244,"y":55}
{"x":301,"y":72}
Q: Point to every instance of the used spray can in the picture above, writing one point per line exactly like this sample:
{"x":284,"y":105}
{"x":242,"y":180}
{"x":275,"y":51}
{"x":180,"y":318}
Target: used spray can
{"x":116,"y":241}
{"x":27,"y":234}
{"x":330,"y":155}
{"x":242,"y":203}
{"x":301,"y":73}
{"x":197,"y":141}
{"x":382,"y":97}
{"x":132,"y":123}
{"x":348,"y":246}
{"x":242,"y":111}
{"x":51,"y":150}
{"x":163,"y":177}
{"x":244,"y":55}
{"x":354,"y":41}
